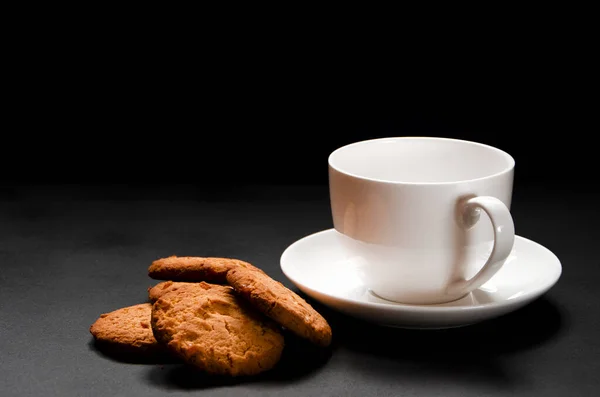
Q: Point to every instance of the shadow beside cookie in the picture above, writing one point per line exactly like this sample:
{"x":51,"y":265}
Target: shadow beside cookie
{"x":126,"y":355}
{"x":299,"y":359}
{"x":187,"y":377}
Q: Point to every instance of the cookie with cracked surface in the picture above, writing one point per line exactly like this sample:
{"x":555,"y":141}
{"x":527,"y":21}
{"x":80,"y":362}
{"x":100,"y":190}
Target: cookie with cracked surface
{"x":194,"y":268}
{"x":163,"y":287}
{"x":281,"y":304}
{"x":209,"y":326}
{"x":127,"y":329}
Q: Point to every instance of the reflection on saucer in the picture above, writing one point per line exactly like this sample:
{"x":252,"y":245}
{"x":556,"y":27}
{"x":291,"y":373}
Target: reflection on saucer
{"x":477,"y":297}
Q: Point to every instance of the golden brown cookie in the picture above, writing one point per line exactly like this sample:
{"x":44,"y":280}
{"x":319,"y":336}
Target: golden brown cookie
{"x":193,"y":268}
{"x":162,"y":288}
{"x":210,"y":327}
{"x":281,"y":304}
{"x":128,"y":329}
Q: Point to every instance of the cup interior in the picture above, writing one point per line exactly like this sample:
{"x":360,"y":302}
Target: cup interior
{"x":420,"y":160}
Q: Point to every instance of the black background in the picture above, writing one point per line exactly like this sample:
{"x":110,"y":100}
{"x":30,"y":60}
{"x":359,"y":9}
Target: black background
{"x":230,"y":135}
{"x":253,"y":107}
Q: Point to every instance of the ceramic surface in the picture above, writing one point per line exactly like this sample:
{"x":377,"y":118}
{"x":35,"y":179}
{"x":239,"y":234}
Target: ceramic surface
{"x":326,"y":271}
{"x":420,"y":209}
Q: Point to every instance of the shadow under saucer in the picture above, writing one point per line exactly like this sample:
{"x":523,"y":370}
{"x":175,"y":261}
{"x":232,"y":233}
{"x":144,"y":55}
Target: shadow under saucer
{"x":472,"y":353}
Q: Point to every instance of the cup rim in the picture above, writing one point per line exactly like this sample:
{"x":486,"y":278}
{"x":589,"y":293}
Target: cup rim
{"x":507,"y":156}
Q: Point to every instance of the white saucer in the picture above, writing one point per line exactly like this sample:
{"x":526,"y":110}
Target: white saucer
{"x":320,"y":267}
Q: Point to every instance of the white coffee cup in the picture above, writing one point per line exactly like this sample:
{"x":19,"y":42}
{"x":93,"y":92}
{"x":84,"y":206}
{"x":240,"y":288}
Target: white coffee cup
{"x":409,"y":208}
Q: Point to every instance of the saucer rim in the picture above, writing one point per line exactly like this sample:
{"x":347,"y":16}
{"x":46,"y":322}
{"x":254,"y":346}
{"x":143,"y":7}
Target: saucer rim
{"x":416,"y":308}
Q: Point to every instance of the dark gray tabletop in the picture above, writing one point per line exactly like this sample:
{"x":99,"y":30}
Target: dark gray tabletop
{"x":68,"y":254}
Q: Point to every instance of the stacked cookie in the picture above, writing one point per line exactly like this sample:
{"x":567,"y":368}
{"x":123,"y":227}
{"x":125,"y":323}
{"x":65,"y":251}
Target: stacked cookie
{"x":224,"y":316}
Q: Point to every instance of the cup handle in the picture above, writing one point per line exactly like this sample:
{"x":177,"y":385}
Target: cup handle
{"x":504,"y":238}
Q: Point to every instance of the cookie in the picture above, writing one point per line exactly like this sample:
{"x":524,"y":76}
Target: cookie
{"x":162,"y":288}
{"x":281,"y":304}
{"x":193,"y":268}
{"x":209,"y":326}
{"x":128,"y":329}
